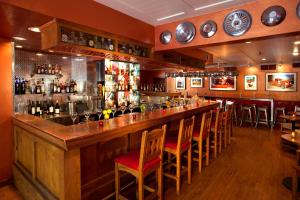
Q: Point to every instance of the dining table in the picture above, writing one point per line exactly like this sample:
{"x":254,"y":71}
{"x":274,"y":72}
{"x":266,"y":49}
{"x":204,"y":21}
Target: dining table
{"x":292,"y":118}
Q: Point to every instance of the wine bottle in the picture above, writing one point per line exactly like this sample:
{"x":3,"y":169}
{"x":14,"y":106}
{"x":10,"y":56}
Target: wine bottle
{"x":38,"y":108}
{"x":32,"y":108}
{"x":57,"y":107}
{"x":51,"y":108}
{"x":16,"y":86}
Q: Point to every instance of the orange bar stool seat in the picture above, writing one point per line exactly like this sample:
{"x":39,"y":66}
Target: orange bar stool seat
{"x":142,"y":163}
{"x":201,"y":137}
{"x":176,"y":146}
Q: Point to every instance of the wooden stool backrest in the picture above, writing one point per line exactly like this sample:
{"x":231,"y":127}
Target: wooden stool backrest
{"x":185,"y":134}
{"x":152,"y":145}
{"x":219,"y":119}
{"x":205,"y":124}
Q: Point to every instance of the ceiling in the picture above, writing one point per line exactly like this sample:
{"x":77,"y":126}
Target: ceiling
{"x":274,"y":50}
{"x":151,"y":10}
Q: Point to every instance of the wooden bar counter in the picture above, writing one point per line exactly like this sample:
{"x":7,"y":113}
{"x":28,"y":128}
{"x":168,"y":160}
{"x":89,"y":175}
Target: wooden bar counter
{"x":53,"y":161}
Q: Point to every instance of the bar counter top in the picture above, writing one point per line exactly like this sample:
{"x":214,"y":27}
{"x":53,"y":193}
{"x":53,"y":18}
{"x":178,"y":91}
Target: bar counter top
{"x":80,"y":135}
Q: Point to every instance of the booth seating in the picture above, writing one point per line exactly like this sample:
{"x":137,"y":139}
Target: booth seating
{"x":265,"y":120}
{"x":144,"y":162}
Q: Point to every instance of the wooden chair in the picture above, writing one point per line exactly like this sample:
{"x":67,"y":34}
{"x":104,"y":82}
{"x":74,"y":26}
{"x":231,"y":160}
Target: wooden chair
{"x":216,"y":129}
{"x":142,"y":163}
{"x":201,"y":137}
{"x":177,"y":146}
{"x":228,"y":124}
{"x":225,"y":128}
{"x":296,"y":176}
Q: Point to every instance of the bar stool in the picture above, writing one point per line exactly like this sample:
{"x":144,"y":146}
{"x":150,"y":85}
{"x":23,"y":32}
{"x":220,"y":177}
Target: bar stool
{"x":142,"y":163}
{"x":201,"y":137}
{"x":234,"y":114}
{"x":277,"y":112}
{"x":265,"y":120}
{"x":216,"y":129}
{"x":177,"y":146}
{"x":247,"y":109}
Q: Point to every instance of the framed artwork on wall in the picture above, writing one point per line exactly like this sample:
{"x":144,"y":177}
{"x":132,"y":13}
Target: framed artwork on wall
{"x":250,"y":82}
{"x":197,"y":82}
{"x":180,"y":83}
{"x":282,"y":82}
{"x":224,"y":83}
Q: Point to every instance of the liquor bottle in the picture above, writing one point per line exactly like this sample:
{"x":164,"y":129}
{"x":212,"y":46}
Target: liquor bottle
{"x":32,"y":108}
{"x":75,"y":87}
{"x":45,"y":108}
{"x":38,"y":88}
{"x":52,"y":69}
{"x":110,"y":45}
{"x":38,"y":69}
{"x":38,"y":108}
{"x":58,"y":88}
{"x":51,"y":108}
{"x":16,"y":86}
{"x":41,"y":108}
{"x":54,"y":86}
{"x":57,"y":107}
{"x":91,"y":42}
{"x":29,"y":106}
{"x":67,"y":87}
{"x":71,"y":86}
{"x":59,"y":70}
{"x":103,"y":43}
{"x":45,"y":69}
{"x":42,"y":86}
{"x":97,"y":42}
{"x":82,"y":40}
{"x":56,"y":70}
{"x":49,"y":69}
{"x":42,"y":69}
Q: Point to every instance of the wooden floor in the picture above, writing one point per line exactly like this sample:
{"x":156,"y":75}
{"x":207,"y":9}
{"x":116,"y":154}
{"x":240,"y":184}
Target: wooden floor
{"x":252,"y":168}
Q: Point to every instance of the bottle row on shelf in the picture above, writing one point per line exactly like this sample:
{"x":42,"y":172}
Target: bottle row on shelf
{"x":153,"y":87}
{"x":39,"y":108}
{"x":47,"y":69}
{"x":39,"y":86}
{"x":85,"y":39}
{"x":131,"y":49}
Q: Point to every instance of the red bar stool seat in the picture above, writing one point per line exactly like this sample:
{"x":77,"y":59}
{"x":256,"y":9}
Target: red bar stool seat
{"x":142,"y":163}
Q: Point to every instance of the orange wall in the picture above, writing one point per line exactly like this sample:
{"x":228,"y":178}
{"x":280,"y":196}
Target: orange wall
{"x":92,"y":14}
{"x":260,"y":93}
{"x":6,"y":136}
{"x":290,"y":24}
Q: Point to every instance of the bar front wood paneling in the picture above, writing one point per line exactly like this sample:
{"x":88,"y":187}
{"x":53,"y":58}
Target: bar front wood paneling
{"x":72,"y":162}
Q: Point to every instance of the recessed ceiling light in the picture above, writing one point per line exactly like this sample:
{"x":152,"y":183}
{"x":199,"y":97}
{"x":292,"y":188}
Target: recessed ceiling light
{"x":34,"y":29}
{"x":19,"y":46}
{"x":39,"y":54}
{"x":18,"y":38}
{"x":78,"y":54}
{"x":248,"y":42}
{"x":51,"y":51}
{"x":297,"y":42}
{"x":170,"y":16}
{"x":64,"y":57}
{"x":79,"y":59}
{"x":263,"y":59}
{"x":211,"y":5}
{"x":295,"y":54}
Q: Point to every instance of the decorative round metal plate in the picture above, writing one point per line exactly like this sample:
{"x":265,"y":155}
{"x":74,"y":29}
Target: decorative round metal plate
{"x":273,"y":16}
{"x":165,"y":37}
{"x":208,"y":29}
{"x":298,"y":10}
{"x":185,"y":32}
{"x":237,"y":23}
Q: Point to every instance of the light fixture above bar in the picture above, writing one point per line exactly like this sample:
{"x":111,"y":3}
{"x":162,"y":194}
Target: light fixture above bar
{"x":212,"y":5}
{"x":202,"y":74}
{"x":170,"y":16}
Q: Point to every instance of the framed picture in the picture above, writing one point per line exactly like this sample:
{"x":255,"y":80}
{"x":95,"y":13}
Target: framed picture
{"x":180,"y":83}
{"x":224,"y":83}
{"x":196,"y":82}
{"x":284,"y":82}
{"x":250,"y":82}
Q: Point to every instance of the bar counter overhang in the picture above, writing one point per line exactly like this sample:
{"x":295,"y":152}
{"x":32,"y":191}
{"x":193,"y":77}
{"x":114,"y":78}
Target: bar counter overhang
{"x":68,"y":162}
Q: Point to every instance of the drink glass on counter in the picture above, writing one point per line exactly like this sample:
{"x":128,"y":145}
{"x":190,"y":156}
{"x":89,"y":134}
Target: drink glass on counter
{"x":87,"y":114}
{"x":99,"y":113}
{"x":74,"y":117}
